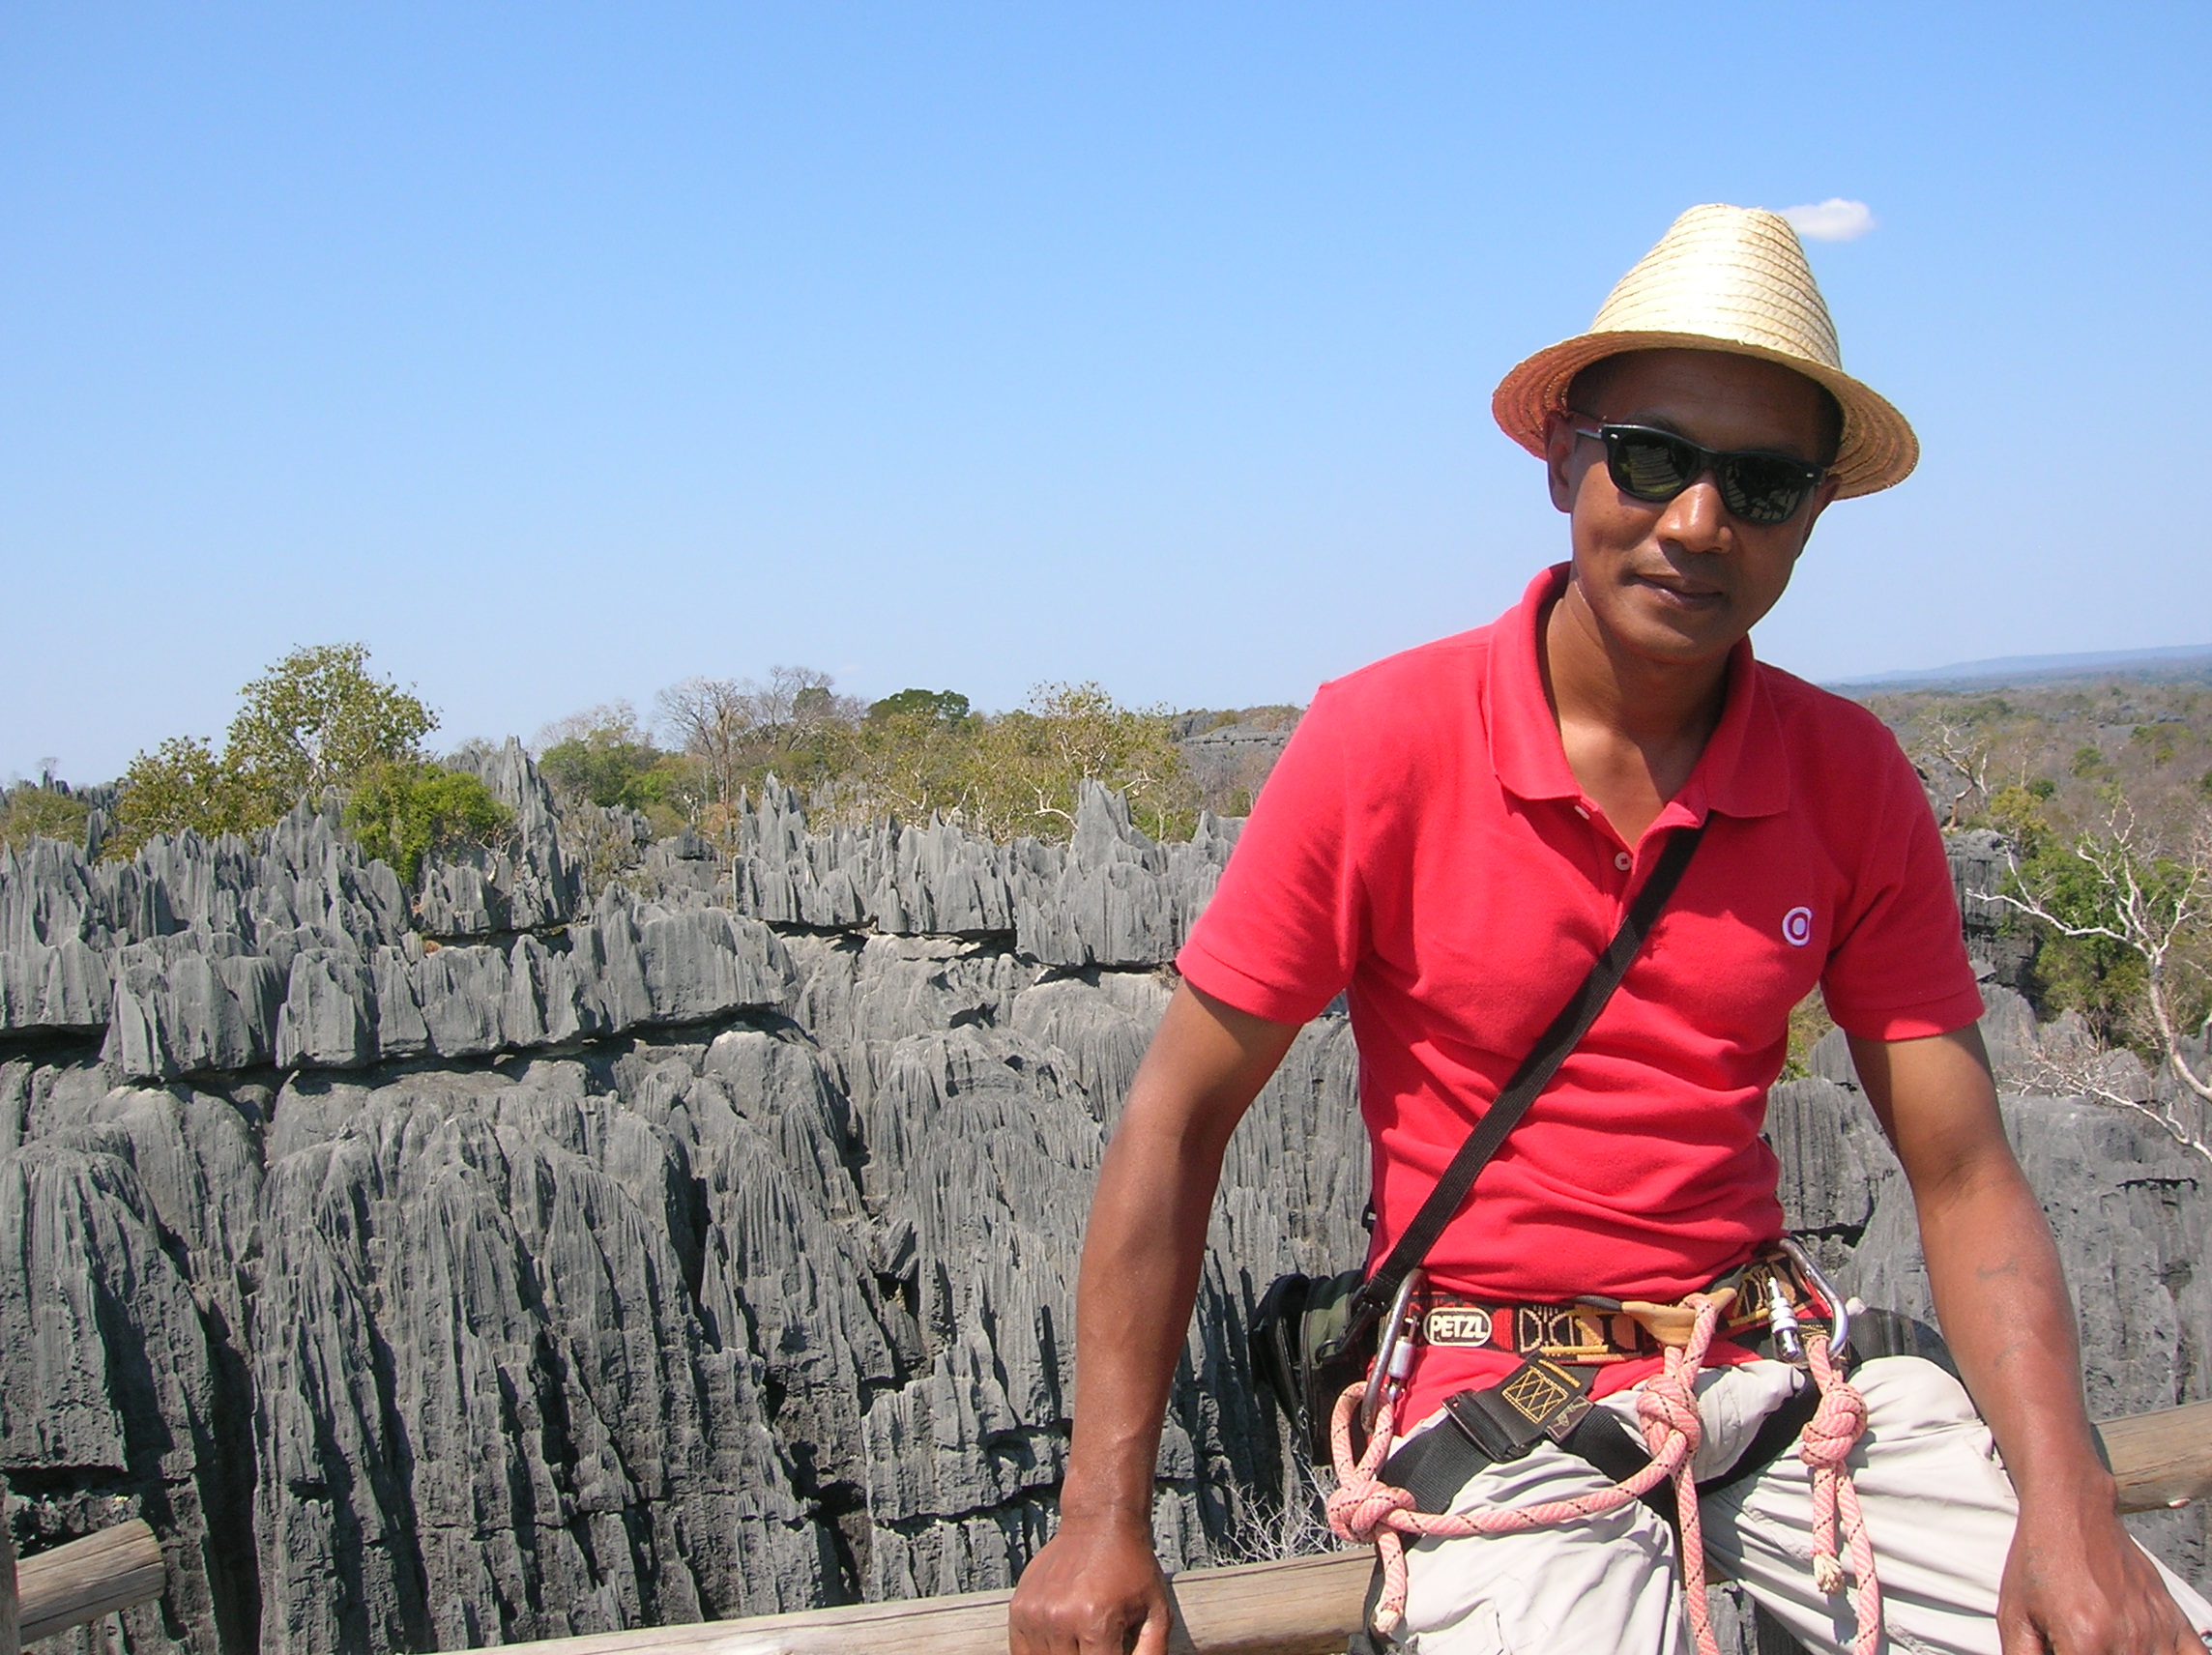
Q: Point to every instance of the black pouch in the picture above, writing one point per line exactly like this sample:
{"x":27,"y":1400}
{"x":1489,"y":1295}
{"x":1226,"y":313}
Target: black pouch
{"x":1301,"y":1353}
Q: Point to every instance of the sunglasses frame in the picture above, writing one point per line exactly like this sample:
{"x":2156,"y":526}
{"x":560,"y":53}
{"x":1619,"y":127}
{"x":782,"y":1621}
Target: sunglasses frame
{"x":1722,"y":463}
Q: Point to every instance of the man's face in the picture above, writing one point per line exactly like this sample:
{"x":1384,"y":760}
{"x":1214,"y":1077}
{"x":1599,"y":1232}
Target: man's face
{"x":1681,"y":580}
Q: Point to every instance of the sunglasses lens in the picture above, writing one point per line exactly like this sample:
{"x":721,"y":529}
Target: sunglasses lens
{"x":1650,"y":465}
{"x":1761,"y":488}
{"x":1657,"y":466}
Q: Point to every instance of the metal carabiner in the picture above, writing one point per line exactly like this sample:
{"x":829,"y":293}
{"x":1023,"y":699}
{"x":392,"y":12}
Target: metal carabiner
{"x":1782,"y":1323}
{"x":1839,"y":1307}
{"x":1393,"y":1353}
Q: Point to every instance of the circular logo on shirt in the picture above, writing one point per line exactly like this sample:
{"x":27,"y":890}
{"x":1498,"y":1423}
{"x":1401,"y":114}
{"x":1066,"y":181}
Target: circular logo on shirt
{"x":1797,"y":927}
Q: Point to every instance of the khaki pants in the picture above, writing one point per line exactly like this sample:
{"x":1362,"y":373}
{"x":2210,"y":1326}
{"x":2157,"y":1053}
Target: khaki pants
{"x":1939,"y":1507}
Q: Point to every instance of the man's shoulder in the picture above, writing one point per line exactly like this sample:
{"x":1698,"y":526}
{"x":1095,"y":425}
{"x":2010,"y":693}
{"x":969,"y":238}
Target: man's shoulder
{"x":1401,"y":688}
{"x":1810,"y":713}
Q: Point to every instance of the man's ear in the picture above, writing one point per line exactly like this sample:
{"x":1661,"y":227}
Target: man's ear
{"x":1559,"y":457}
{"x":1821,"y":495}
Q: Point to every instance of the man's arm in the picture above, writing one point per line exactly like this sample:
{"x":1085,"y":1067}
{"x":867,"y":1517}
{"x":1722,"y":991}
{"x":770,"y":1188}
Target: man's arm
{"x":2075,"y":1583}
{"x":1098,"y":1579}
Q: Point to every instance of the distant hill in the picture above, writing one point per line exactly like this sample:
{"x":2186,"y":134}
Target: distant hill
{"x":2184,"y":660}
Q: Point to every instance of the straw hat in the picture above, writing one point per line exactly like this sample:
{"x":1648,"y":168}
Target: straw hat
{"x":1723,"y":279}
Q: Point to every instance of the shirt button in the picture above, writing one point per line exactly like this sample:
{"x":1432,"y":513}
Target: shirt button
{"x":1623,"y":860}
{"x":1584,"y":814}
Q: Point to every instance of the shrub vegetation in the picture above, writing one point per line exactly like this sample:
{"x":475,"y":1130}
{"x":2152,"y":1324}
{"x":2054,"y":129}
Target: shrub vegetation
{"x":41,"y":810}
{"x":401,"y":811}
{"x":912,"y":755}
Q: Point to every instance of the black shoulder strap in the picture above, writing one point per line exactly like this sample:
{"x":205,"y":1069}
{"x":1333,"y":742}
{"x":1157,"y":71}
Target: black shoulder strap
{"x":1532,"y":1076}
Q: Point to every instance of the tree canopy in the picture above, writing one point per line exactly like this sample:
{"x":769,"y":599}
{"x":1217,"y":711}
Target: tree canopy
{"x":319,"y":718}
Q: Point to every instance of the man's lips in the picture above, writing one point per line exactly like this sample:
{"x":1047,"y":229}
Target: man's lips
{"x":1690,"y":594}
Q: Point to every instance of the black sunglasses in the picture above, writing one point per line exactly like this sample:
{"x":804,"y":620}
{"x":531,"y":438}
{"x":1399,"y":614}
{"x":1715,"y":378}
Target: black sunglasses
{"x":1655,"y":465}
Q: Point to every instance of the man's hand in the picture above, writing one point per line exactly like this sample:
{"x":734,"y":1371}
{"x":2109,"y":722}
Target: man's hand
{"x":2075,"y":1583}
{"x":1094,"y":1587}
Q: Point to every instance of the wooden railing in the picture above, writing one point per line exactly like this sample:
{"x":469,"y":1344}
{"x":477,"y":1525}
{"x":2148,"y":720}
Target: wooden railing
{"x":117,"y":1568}
{"x":1301,"y":1606}
{"x":1304,"y":1605}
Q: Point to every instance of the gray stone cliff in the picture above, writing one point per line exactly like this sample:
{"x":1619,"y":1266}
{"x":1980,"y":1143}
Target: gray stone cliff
{"x":505,"y":1259}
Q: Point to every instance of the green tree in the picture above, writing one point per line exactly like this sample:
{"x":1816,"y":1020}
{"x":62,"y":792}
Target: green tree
{"x":2127,"y":915}
{"x":604,"y":768}
{"x":909,"y":761}
{"x":319,"y":718}
{"x":2081,"y":963}
{"x":2155,"y":739}
{"x":2018,"y":813}
{"x":182,"y":783}
{"x":401,"y":811}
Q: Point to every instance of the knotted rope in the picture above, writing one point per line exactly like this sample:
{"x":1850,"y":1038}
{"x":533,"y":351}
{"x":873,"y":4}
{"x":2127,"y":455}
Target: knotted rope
{"x":1825,"y":1448}
{"x":1365,"y":1510}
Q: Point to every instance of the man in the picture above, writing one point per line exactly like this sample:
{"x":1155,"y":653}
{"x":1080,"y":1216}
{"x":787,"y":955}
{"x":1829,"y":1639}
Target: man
{"x":1452,"y":836}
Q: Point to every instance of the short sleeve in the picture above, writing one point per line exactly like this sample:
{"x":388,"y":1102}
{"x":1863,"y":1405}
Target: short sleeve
{"x":1899,"y":968}
{"x":1285,"y":929}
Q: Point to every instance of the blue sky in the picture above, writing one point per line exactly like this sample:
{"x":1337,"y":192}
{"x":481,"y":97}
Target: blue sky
{"x":560,"y":352}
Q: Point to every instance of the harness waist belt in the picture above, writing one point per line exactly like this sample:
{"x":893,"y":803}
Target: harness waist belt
{"x":1594,"y":1330}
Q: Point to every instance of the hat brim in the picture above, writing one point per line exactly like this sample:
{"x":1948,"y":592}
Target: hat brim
{"x":1879,"y":449}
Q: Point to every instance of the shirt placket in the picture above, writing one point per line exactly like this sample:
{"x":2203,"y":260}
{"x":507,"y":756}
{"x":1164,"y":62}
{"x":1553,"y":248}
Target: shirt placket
{"x":1616,"y":862}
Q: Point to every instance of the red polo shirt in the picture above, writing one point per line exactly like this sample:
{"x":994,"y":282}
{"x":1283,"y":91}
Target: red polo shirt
{"x":1423,"y":845}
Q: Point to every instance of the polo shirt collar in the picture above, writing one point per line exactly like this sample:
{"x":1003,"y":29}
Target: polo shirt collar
{"x":1744,"y":770}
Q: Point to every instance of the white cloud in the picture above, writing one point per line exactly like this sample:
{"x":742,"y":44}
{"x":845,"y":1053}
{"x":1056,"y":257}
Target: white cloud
{"x":1834,"y":219}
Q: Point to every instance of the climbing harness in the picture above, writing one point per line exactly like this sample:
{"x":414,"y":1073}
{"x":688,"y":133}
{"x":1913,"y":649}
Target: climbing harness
{"x":1308,"y":1333}
{"x":1373,"y":1504}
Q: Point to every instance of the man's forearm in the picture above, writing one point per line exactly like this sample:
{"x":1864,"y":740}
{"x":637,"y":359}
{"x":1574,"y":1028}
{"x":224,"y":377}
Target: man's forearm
{"x":1146,"y":1241}
{"x":2001,"y":1298}
{"x":1141,"y":1258}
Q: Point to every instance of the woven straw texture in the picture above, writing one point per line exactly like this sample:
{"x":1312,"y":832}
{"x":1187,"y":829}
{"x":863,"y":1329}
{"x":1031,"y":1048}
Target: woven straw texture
{"x":1722,"y":279}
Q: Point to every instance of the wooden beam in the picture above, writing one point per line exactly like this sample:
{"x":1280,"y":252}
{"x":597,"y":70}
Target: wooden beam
{"x":117,"y":1568}
{"x":2161,"y":1459}
{"x":1301,"y":1606}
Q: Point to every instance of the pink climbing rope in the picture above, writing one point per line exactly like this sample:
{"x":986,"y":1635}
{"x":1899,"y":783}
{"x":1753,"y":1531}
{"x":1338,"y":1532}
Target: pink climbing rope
{"x":1365,"y":1510}
{"x":1825,"y":1448}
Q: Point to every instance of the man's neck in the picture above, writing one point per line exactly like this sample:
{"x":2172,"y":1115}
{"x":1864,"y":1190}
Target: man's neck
{"x":1592,"y":679}
{"x":1633,"y":728}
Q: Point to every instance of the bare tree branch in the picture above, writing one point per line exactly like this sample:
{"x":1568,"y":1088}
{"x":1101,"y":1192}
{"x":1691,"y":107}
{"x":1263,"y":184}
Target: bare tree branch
{"x":1967,"y":758}
{"x":2153,"y":904}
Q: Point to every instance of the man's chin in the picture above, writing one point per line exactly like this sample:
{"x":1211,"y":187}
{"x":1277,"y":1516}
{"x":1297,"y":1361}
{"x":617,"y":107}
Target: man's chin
{"x":1677,"y":640}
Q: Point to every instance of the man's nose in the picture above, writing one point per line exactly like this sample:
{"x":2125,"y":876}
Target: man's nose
{"x":1696,"y":519}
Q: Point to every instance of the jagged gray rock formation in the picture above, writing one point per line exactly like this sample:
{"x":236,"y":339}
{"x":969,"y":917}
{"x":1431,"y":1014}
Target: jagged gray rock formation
{"x":1980,"y":861}
{"x":1230,"y":762}
{"x":2127,"y":1204}
{"x":527,"y":881}
{"x":515,"y":1260}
